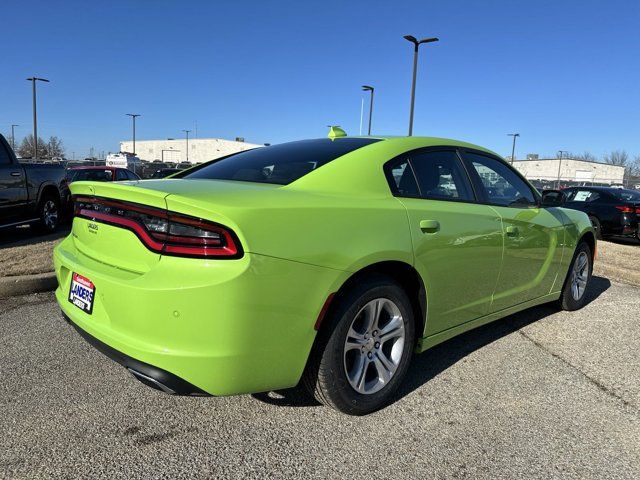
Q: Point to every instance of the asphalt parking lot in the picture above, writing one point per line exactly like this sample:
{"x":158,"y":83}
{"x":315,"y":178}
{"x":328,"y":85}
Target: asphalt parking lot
{"x":542,"y":394}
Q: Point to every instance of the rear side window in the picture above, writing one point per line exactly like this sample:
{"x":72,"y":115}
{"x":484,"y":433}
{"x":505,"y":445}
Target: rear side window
{"x":435,"y":175}
{"x":5,"y":159}
{"x":502,"y":186}
{"x":441,"y":176}
{"x":121,"y":175}
{"x":280,"y":164}
{"x":627,"y":195}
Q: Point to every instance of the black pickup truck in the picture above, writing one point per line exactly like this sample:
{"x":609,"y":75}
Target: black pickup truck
{"x":30,"y":193}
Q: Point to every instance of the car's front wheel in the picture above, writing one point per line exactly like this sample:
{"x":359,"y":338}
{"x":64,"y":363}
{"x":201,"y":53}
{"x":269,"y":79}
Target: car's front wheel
{"x":573,"y":295}
{"x":363,"y":348}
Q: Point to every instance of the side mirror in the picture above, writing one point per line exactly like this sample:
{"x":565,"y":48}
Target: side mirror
{"x":553,"y":198}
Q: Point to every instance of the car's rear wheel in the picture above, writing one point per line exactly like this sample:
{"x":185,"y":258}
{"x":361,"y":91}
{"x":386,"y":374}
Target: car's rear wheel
{"x":573,"y":295}
{"x":596,"y":226}
{"x":363,"y":348}
{"x":49,"y":213}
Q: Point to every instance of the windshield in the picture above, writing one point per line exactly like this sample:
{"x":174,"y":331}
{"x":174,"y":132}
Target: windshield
{"x":627,"y":195}
{"x":92,"y":175}
{"x":280,"y":164}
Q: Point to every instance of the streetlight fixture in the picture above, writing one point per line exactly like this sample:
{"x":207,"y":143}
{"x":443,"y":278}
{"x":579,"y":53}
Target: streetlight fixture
{"x":133,"y":117}
{"x":560,"y":154}
{"x":187,"y":132}
{"x":33,"y":81}
{"x":369,"y":88}
{"x":13,"y":136}
{"x":416,"y":44}
{"x":513,"y":148}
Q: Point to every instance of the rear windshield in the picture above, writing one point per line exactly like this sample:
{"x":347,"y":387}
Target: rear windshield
{"x":280,"y":164}
{"x":627,"y":195}
{"x":93,"y":175}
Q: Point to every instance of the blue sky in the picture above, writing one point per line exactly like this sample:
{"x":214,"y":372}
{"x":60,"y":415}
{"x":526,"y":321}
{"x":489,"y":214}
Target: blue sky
{"x":565,"y":74}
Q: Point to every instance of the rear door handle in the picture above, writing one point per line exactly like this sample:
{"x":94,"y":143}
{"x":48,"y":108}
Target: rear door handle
{"x":16,"y":174}
{"x":512,"y":231}
{"x":429,"y":226}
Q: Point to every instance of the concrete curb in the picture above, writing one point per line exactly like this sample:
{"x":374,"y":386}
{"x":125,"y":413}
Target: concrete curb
{"x":26,"y":284}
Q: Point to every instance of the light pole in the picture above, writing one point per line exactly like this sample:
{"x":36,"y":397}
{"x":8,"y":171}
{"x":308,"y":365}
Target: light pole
{"x":416,"y":44}
{"x":33,"y":81}
{"x":187,"y":133}
{"x":13,"y":136}
{"x":513,"y":148}
{"x":369,"y":88}
{"x":560,"y":154}
{"x":133,"y":117}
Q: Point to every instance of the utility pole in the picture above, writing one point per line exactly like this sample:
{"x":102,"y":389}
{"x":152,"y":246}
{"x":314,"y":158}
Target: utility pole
{"x":513,"y":148}
{"x":187,"y":133}
{"x":560,"y":154}
{"x":133,"y":117}
{"x":416,"y":44}
{"x":13,"y":136}
{"x":33,"y":81}
{"x":369,"y":88}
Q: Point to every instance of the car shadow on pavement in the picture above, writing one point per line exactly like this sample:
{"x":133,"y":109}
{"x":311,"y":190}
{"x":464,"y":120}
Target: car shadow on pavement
{"x":434,"y":361}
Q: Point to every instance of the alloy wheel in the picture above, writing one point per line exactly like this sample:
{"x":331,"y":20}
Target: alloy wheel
{"x":50,"y":214}
{"x":579,"y":276}
{"x":374,"y":346}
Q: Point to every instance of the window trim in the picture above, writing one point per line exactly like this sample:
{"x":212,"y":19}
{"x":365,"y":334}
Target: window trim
{"x":480,"y":188}
{"x":388,"y":166}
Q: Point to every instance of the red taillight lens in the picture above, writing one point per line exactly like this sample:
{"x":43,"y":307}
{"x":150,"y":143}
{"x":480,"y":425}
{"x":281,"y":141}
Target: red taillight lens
{"x":638,"y":211}
{"x":625,"y":209}
{"x":163,"y":232}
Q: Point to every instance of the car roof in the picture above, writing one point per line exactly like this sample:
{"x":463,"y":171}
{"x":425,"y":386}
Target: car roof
{"x":93,"y":167}
{"x":420,"y":142}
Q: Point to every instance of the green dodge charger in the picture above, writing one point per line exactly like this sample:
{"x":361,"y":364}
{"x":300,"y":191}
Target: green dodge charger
{"x":328,"y":262}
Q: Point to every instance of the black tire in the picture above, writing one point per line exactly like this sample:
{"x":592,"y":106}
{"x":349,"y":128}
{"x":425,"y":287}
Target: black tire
{"x":596,"y":226}
{"x":325,"y":376}
{"x":48,"y":213}
{"x":568,"y":300}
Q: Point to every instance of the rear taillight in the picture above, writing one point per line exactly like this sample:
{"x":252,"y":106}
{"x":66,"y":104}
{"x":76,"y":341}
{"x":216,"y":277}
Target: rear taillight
{"x":161,"y":231}
{"x":626,"y":209}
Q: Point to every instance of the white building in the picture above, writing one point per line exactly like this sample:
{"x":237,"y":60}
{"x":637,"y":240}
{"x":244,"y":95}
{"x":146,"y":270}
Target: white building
{"x":200,"y":149}
{"x":570,"y":170}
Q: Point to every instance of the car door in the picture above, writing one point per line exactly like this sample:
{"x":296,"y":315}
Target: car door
{"x":457,"y":242}
{"x":533,"y":236}
{"x":13,"y":191}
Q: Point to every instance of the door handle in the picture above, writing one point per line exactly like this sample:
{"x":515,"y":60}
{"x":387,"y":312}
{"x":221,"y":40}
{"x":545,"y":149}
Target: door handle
{"x":16,"y":174}
{"x":512,"y":231}
{"x":429,"y":226}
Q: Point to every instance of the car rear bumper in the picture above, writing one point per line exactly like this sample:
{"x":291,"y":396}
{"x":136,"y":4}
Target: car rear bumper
{"x":202,"y":326}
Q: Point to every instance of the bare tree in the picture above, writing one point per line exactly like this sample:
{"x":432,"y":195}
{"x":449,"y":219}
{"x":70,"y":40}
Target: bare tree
{"x":634,"y":167}
{"x":587,"y":157}
{"x":55,"y":148}
{"x":26,"y":150}
{"x":617,"y":157}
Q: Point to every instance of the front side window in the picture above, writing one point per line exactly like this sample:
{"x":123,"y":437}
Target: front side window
{"x":502,"y":186}
{"x":280,"y":164}
{"x":121,"y":175}
{"x":582,"y":196}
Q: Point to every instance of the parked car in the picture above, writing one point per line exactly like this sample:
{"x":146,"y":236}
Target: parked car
{"x":327,"y":260}
{"x":30,"y":192}
{"x":100,"y":174}
{"x":612,"y":211}
{"x":165,"y":172}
